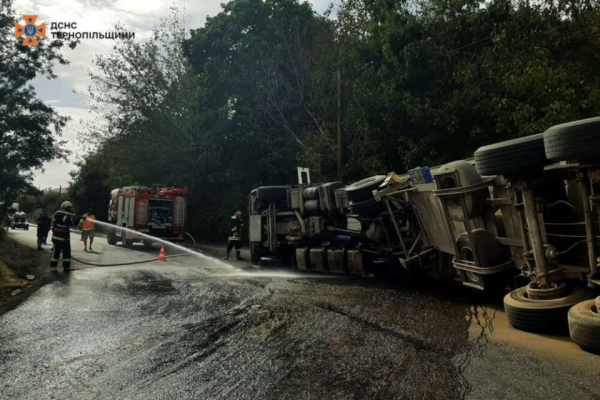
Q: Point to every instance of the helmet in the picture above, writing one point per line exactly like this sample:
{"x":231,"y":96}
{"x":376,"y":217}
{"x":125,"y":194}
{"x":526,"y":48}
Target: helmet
{"x":238,"y":213}
{"x":66,"y":205}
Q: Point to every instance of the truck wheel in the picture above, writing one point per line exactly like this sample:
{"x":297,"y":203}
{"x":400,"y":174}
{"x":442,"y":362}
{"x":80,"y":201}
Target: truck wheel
{"x":541,"y":315}
{"x":266,"y":195}
{"x":111,"y":238}
{"x":366,"y":207}
{"x":363,"y":190}
{"x":489,"y":251}
{"x":512,"y":157}
{"x":467,"y":176}
{"x":584,"y":325}
{"x":255,"y":253}
{"x":577,"y":140}
{"x":126,"y":242}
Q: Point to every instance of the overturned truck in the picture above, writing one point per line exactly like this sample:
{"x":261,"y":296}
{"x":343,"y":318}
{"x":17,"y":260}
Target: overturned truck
{"x":522,"y":216}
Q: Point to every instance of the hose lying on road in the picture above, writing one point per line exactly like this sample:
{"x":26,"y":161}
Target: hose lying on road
{"x":120,"y":264}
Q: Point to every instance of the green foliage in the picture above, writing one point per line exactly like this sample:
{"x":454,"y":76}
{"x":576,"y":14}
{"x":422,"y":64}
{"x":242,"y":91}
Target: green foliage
{"x":432,"y":83}
{"x":91,"y":187}
{"x":34,"y":201}
{"x":253,"y":93}
{"x":28,"y":127}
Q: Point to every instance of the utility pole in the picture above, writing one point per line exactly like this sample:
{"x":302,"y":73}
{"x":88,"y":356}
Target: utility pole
{"x":339,"y":125}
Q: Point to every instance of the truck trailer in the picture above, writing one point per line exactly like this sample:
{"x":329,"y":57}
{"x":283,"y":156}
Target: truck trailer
{"x":156,"y":211}
{"x":520,"y":217}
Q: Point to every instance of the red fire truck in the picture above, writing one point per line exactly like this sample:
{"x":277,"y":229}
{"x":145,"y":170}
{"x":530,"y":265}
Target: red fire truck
{"x":157,"y":211}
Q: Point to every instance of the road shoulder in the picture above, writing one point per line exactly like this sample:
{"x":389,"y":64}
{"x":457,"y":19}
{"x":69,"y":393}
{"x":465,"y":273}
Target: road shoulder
{"x":17,"y":262}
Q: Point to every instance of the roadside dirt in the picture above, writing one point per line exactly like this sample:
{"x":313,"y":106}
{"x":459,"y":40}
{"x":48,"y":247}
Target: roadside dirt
{"x":16,"y":262}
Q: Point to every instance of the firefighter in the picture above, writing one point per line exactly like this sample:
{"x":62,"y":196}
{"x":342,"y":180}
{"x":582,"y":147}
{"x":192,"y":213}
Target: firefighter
{"x":88,"y":228}
{"x":43,"y":226}
{"x":63,"y":220}
{"x":235,"y":235}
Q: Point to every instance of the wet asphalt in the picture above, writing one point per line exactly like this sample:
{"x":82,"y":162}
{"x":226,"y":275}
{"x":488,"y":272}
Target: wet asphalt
{"x":199,"y":328}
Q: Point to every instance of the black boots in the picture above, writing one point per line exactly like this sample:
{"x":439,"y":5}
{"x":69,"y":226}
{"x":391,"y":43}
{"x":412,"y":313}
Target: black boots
{"x":237,"y":256}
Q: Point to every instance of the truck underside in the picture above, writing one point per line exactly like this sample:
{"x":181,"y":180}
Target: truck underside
{"x":522,"y":214}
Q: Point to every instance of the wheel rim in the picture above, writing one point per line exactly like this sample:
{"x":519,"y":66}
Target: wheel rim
{"x":554,"y":292}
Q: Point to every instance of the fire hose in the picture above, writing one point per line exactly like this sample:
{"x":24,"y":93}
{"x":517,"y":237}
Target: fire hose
{"x":131,"y":262}
{"x":127,"y":263}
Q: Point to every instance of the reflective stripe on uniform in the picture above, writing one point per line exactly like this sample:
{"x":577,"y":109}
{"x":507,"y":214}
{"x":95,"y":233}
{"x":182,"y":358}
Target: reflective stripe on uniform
{"x":235,"y":238}
{"x":58,"y":238}
{"x":66,"y":259}
{"x":53,"y":259}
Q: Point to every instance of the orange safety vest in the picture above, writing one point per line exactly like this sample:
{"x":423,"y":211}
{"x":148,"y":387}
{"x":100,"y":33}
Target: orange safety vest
{"x":88,"y":225}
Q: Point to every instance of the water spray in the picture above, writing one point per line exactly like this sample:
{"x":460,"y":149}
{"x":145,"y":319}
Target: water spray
{"x":153,"y":238}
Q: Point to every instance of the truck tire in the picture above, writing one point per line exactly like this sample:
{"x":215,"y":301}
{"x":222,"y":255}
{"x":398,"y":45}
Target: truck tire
{"x":468,"y":176}
{"x":363,"y":190}
{"x":512,"y":157}
{"x":126,"y":242}
{"x":488,"y":249}
{"x":584,"y":325}
{"x":272,"y":194}
{"x":577,"y":140}
{"x":547,"y":316}
{"x":367,"y":207}
{"x":111,"y":239}
{"x":254,"y":253}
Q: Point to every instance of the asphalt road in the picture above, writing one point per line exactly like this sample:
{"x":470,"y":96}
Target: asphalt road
{"x":197,"y":328}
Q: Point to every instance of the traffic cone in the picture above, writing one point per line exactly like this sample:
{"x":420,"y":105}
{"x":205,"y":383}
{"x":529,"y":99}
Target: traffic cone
{"x":162,"y":256}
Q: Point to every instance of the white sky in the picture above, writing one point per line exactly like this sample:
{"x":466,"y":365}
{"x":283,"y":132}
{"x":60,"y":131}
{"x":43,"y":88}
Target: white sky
{"x":67,"y":93}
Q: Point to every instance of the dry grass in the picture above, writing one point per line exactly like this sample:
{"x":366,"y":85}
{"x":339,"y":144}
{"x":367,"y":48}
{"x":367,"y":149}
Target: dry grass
{"x":16,"y":261}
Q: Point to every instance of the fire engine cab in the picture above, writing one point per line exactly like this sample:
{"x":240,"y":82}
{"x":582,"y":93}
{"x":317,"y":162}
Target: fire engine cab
{"x":157,"y":211}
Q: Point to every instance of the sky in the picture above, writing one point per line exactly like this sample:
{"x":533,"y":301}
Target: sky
{"x":68,"y":92}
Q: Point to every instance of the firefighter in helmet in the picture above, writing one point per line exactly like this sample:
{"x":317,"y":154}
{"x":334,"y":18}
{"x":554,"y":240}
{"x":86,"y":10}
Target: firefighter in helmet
{"x":62,"y":221}
{"x":235,"y":235}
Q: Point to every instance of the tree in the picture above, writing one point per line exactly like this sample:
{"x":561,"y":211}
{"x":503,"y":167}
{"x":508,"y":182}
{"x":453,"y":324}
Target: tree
{"x":28,"y":127}
{"x":431,"y":81}
{"x":255,"y":58}
{"x":145,"y":93}
{"x":219,"y":128}
{"x":252,"y":94}
{"x":90,"y":186}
